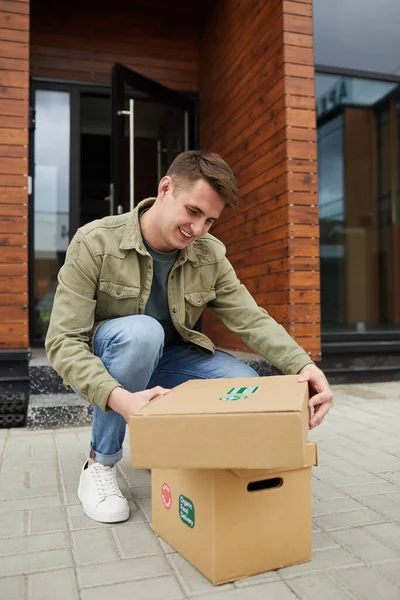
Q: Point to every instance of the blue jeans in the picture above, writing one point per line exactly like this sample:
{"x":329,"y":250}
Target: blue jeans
{"x":132,"y":350}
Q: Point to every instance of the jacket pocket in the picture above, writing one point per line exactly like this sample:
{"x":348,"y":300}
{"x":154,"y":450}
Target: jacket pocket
{"x":195,"y":302}
{"x":119,"y":291}
{"x":116,"y":299}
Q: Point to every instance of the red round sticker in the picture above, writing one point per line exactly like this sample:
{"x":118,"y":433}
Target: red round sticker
{"x":166,"y":496}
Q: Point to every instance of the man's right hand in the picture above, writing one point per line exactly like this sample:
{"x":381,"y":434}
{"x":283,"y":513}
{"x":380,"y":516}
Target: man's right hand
{"x":126,"y":403}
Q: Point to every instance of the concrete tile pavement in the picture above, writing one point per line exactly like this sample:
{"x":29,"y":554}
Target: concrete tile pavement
{"x":48,"y":548}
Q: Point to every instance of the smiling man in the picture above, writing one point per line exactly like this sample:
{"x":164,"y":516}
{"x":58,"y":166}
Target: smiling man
{"x":124,"y":325}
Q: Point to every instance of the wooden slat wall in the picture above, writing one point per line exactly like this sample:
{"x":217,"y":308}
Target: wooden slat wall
{"x":304,"y":306}
{"x":14,"y":90}
{"x":81,"y":41}
{"x":257,"y":111}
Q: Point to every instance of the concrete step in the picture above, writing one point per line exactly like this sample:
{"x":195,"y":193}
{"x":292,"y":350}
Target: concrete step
{"x":47,"y":411}
{"x":44,"y":380}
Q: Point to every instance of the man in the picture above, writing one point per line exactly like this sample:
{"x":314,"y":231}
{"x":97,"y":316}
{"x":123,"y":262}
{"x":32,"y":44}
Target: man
{"x":131,"y":291}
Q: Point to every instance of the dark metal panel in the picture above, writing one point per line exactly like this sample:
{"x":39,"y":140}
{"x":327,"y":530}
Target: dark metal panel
{"x":65,"y":85}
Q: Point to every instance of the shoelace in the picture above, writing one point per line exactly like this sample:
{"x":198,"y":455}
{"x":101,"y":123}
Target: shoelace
{"x":104,"y":477}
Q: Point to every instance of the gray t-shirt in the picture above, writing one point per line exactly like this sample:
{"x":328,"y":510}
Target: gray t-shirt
{"x":157,"y":304}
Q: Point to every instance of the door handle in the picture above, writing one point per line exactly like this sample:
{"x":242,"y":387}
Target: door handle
{"x":110,"y":198}
{"x":131,"y":114}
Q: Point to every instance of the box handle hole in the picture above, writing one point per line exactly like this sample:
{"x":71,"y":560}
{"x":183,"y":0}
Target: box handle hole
{"x":265,"y":484}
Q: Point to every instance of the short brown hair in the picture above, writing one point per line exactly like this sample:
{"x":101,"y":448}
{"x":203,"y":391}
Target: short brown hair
{"x":195,"y":164}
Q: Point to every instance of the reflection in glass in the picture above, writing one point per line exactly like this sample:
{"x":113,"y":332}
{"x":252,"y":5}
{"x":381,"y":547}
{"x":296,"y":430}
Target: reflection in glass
{"x":95,"y":157}
{"x":332,"y":220}
{"x":384,"y":210}
{"x":333,"y":92}
{"x":358,"y":171}
{"x":159,"y":138}
{"x":51,"y":197}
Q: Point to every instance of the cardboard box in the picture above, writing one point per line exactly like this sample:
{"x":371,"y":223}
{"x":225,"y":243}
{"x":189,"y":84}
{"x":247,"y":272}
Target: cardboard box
{"x":224,"y":423}
{"x":232,"y":524}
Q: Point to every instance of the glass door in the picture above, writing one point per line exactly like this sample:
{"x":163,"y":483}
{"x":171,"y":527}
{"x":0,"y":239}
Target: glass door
{"x":151,"y":125}
{"x":81,"y":138}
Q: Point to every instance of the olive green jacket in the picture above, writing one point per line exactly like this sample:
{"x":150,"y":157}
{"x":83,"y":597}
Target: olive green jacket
{"x":108,"y":273}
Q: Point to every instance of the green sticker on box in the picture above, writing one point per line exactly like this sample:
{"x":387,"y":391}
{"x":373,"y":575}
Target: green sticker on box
{"x":186,"y":511}
{"x":244,"y":390}
{"x":239,"y":393}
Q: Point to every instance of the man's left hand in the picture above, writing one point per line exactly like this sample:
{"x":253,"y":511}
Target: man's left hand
{"x":321,"y":395}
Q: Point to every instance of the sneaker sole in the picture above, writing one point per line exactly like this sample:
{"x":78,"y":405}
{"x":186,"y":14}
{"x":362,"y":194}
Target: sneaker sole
{"x":115,"y":518}
{"x":101,"y":518}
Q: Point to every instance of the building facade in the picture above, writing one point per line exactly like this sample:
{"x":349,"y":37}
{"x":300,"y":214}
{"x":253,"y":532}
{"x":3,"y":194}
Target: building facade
{"x":97,"y":99}
{"x":246,"y":68}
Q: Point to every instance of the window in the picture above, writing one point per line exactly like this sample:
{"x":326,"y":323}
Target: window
{"x":51,"y":199}
{"x":358,"y":172}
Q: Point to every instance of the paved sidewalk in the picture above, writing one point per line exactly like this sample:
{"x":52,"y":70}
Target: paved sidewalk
{"x":49,"y":549}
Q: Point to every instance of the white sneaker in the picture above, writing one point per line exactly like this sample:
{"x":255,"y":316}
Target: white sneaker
{"x":100,"y":495}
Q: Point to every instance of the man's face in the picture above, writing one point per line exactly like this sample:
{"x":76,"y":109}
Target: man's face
{"x":189,"y":210}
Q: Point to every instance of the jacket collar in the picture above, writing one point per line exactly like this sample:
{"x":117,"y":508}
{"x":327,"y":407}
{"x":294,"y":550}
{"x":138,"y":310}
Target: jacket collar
{"x":132,"y":236}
